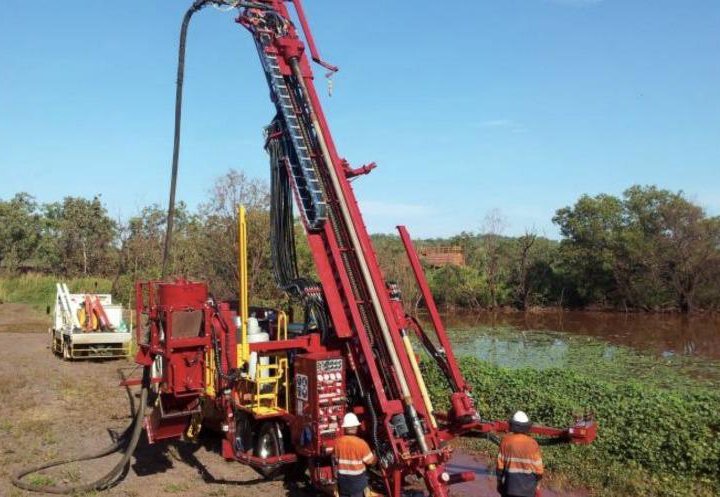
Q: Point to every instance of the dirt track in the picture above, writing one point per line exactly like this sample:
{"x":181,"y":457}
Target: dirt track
{"x":52,"y":408}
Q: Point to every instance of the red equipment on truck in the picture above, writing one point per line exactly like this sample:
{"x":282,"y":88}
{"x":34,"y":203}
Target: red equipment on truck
{"x":279,"y":391}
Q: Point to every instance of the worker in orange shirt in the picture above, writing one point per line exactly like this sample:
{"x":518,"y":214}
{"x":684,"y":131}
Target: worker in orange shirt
{"x":352,"y":455}
{"x":519,"y":462}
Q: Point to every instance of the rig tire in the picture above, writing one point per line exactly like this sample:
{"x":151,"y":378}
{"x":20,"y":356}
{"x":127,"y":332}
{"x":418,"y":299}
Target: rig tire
{"x":268,"y":443}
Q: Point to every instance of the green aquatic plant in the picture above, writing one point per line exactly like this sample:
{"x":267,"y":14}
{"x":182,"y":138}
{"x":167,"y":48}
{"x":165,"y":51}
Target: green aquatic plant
{"x":653,"y":438}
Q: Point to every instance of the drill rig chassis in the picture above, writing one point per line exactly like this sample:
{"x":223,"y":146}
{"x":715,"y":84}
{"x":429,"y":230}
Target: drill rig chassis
{"x":277,"y":391}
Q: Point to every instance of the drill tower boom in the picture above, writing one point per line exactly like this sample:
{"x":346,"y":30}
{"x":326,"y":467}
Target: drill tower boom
{"x":214,"y":361}
{"x":353,"y":285}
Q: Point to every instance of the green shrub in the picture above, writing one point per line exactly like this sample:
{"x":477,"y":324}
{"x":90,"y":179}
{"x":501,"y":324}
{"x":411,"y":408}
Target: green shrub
{"x":651,"y":440}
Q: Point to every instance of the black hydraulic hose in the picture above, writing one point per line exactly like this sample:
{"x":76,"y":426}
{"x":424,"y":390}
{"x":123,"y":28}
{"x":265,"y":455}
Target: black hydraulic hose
{"x":229,"y":376}
{"x":373,"y":421}
{"x":282,"y":234}
{"x":109,"y":478}
{"x":439,"y":357}
{"x":196,"y":6}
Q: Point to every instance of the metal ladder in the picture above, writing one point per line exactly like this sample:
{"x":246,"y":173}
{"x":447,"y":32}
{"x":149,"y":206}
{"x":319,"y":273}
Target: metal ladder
{"x":308,"y":186}
{"x":270,"y":377}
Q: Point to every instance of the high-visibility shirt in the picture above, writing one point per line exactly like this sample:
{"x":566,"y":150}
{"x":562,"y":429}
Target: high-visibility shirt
{"x":519,"y":463}
{"x":352,"y":454}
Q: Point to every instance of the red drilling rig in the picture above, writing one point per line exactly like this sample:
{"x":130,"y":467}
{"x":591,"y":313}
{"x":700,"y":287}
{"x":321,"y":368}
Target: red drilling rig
{"x":278,"y":390}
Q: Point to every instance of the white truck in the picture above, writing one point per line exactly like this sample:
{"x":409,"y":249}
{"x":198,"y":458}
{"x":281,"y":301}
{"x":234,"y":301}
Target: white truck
{"x":102,"y":333}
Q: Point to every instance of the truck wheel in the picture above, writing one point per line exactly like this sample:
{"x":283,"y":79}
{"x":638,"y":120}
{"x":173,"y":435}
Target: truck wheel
{"x":66,"y":351}
{"x":269,"y":444}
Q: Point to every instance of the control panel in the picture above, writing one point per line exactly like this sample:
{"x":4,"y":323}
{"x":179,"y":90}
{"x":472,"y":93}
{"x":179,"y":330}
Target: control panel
{"x":319,"y":400}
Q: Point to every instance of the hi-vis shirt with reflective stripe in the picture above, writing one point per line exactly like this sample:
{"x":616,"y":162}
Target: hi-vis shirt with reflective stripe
{"x":519,"y":464}
{"x":519,"y":454}
{"x":352,"y":454}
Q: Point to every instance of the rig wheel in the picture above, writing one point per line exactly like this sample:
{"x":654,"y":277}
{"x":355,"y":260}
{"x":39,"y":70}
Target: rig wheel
{"x":268,"y":443}
{"x":243,"y":432}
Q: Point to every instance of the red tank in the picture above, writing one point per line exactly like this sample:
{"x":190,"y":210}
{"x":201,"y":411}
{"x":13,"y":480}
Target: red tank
{"x":182,"y":294}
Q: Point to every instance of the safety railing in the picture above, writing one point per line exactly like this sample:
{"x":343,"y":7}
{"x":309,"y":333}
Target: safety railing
{"x":270,"y":377}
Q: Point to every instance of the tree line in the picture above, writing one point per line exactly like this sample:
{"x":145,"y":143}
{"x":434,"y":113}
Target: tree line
{"x":649,"y":249}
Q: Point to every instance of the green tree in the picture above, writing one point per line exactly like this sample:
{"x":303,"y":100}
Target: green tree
{"x":652,"y":249}
{"x":81,"y":237}
{"x":591,"y":229}
{"x":218,"y":247}
{"x":396,"y":268}
{"x":678,"y":243}
{"x":459,"y":286}
{"x":21,"y":231}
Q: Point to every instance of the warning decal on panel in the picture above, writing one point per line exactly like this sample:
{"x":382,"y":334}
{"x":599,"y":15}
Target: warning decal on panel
{"x":301,"y":386}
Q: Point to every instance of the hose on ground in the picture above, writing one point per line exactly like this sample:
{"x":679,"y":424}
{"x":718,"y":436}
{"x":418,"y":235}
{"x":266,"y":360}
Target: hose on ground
{"x":128,"y":443}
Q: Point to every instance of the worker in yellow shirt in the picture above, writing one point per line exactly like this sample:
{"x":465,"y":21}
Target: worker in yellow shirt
{"x":352,"y":455}
{"x":519,"y":462}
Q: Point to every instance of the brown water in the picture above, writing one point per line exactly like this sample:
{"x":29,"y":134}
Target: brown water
{"x":663,"y":334}
{"x":484,"y":484}
{"x":615,"y":345}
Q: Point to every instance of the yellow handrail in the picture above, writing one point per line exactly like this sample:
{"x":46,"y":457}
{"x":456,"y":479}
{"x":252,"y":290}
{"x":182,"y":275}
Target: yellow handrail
{"x":282,"y":334}
{"x":282,"y":326}
{"x":244,"y":346}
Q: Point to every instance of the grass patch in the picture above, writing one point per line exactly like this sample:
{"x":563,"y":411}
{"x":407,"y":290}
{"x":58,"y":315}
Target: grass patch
{"x":176,"y":487}
{"x":5,"y":426}
{"x":39,"y":480}
{"x":72,"y":475}
{"x":218,"y":492}
{"x":652,"y":441}
{"x":39,"y":290}
{"x":11,"y":385}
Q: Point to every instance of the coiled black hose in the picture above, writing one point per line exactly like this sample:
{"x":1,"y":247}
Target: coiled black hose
{"x":128,"y":443}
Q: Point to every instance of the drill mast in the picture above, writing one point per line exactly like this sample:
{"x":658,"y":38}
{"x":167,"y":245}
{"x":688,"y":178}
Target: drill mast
{"x":356,"y":358}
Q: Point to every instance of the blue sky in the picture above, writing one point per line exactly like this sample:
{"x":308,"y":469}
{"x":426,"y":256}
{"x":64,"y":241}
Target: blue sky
{"x":516,"y":105}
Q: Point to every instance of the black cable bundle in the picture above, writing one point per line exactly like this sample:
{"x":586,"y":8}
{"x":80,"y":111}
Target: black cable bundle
{"x":282,"y":233}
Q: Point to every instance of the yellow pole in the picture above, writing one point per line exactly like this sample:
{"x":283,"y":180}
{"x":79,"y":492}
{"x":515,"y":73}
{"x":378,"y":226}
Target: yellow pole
{"x":419,"y":377}
{"x":244,"y":346}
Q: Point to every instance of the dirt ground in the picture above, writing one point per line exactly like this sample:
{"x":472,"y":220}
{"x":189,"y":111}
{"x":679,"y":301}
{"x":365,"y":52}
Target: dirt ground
{"x":52,"y":408}
{"x":21,"y":317}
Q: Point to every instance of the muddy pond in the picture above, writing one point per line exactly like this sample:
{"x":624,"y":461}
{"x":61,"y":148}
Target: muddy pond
{"x":617,"y":343}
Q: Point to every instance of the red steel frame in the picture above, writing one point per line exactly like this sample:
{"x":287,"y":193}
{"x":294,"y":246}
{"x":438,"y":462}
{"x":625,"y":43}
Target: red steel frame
{"x":346,"y":299}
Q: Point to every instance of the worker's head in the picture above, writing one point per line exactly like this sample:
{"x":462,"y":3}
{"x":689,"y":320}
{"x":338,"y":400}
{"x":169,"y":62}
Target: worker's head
{"x":520,"y":423}
{"x":350,"y":423}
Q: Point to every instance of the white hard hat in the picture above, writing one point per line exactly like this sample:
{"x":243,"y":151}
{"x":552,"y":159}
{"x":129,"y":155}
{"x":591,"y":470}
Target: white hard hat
{"x":520,"y":417}
{"x":350,"y":421}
